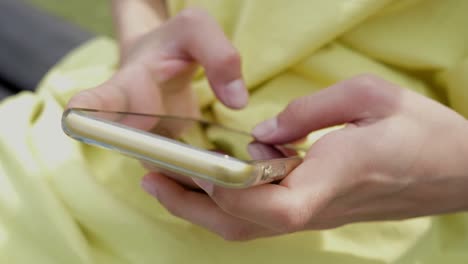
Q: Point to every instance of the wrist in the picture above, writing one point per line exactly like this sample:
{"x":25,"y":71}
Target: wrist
{"x":134,"y":19}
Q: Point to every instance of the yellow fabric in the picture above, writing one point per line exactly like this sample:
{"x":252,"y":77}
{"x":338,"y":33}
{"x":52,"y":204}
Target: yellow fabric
{"x":63,"y":202}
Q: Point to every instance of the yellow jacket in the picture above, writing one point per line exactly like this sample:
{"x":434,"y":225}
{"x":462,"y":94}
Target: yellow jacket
{"x":64,"y":202}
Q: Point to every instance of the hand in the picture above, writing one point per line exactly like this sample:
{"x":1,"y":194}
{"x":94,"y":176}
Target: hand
{"x":400,"y":155}
{"x":156,"y":75}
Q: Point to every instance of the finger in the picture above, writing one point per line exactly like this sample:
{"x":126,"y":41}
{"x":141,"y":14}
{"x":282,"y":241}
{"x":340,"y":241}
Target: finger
{"x":107,"y":96}
{"x":353,"y":100}
{"x":130,"y":89}
{"x":167,"y":53}
{"x":260,"y":151}
{"x":185,"y":181}
{"x":277,"y":207}
{"x":203,"y":40}
{"x":199,"y":209}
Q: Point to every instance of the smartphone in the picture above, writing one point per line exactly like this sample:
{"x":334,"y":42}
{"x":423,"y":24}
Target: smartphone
{"x":184,"y":146}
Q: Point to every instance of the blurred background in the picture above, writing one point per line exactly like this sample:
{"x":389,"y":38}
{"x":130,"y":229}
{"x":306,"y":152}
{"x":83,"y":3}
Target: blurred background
{"x":35,"y":34}
{"x":92,"y":15}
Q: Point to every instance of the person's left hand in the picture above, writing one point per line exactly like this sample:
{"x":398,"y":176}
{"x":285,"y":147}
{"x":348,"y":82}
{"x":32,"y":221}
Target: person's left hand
{"x":400,"y":155}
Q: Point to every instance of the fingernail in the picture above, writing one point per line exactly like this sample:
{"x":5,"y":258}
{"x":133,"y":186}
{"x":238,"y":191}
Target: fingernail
{"x":206,"y":186}
{"x":149,"y":186}
{"x":236,"y":94}
{"x":265,"y":129}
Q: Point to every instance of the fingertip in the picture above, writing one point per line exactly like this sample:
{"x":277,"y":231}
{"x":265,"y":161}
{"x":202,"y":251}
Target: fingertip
{"x":235,"y":94}
{"x":149,"y":183}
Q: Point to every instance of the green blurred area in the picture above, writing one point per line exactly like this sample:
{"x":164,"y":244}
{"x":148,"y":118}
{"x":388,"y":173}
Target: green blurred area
{"x":93,"y":15}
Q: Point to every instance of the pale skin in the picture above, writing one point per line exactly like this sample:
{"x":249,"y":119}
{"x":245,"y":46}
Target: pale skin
{"x":400,"y":156}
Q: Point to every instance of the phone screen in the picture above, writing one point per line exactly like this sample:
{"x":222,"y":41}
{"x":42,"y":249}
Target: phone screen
{"x":197,"y":133}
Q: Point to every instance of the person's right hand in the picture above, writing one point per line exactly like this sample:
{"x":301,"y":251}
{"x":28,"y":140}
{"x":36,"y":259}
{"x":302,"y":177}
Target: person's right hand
{"x":156,"y":75}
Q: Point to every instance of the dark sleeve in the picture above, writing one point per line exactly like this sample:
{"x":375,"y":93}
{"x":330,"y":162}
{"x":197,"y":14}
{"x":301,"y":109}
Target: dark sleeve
{"x":32,"y":41}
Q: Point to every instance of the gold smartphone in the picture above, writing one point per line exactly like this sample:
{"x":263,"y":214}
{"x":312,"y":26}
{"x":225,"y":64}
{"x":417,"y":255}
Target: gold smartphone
{"x":184,"y":146}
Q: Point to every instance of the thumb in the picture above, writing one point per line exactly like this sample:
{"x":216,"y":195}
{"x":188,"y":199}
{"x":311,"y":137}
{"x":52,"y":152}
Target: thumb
{"x":353,"y":100}
{"x":131,"y":88}
{"x":103,"y":97}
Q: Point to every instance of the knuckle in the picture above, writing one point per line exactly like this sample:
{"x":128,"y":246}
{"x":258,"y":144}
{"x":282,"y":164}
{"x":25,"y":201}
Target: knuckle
{"x":366,"y":81}
{"x":371,"y":91}
{"x":230,"y":58}
{"x":368,"y":86}
{"x":224,"y":66}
